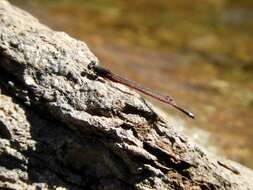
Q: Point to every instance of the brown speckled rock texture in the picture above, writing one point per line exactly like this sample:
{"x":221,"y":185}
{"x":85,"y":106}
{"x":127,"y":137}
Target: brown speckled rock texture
{"x":61,"y":127}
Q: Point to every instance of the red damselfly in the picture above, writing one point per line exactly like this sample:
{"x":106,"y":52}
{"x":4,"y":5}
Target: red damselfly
{"x":105,"y":73}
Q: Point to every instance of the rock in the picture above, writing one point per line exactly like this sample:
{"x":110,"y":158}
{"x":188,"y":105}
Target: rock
{"x":64,"y":128}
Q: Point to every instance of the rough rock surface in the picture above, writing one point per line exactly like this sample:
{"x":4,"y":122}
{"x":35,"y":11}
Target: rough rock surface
{"x":61,"y":127}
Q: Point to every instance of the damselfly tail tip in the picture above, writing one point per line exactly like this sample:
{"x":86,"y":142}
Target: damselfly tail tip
{"x":191,"y":115}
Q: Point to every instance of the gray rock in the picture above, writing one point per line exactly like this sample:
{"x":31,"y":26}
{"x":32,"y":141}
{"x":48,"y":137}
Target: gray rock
{"x":63,"y":128}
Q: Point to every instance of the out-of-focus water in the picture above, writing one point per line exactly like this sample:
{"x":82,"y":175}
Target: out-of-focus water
{"x":200,"y":52}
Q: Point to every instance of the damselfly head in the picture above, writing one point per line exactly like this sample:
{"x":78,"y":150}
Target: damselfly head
{"x":91,"y":65}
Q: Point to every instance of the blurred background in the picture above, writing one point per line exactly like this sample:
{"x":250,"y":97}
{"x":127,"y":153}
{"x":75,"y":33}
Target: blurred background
{"x":199,"y":51}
